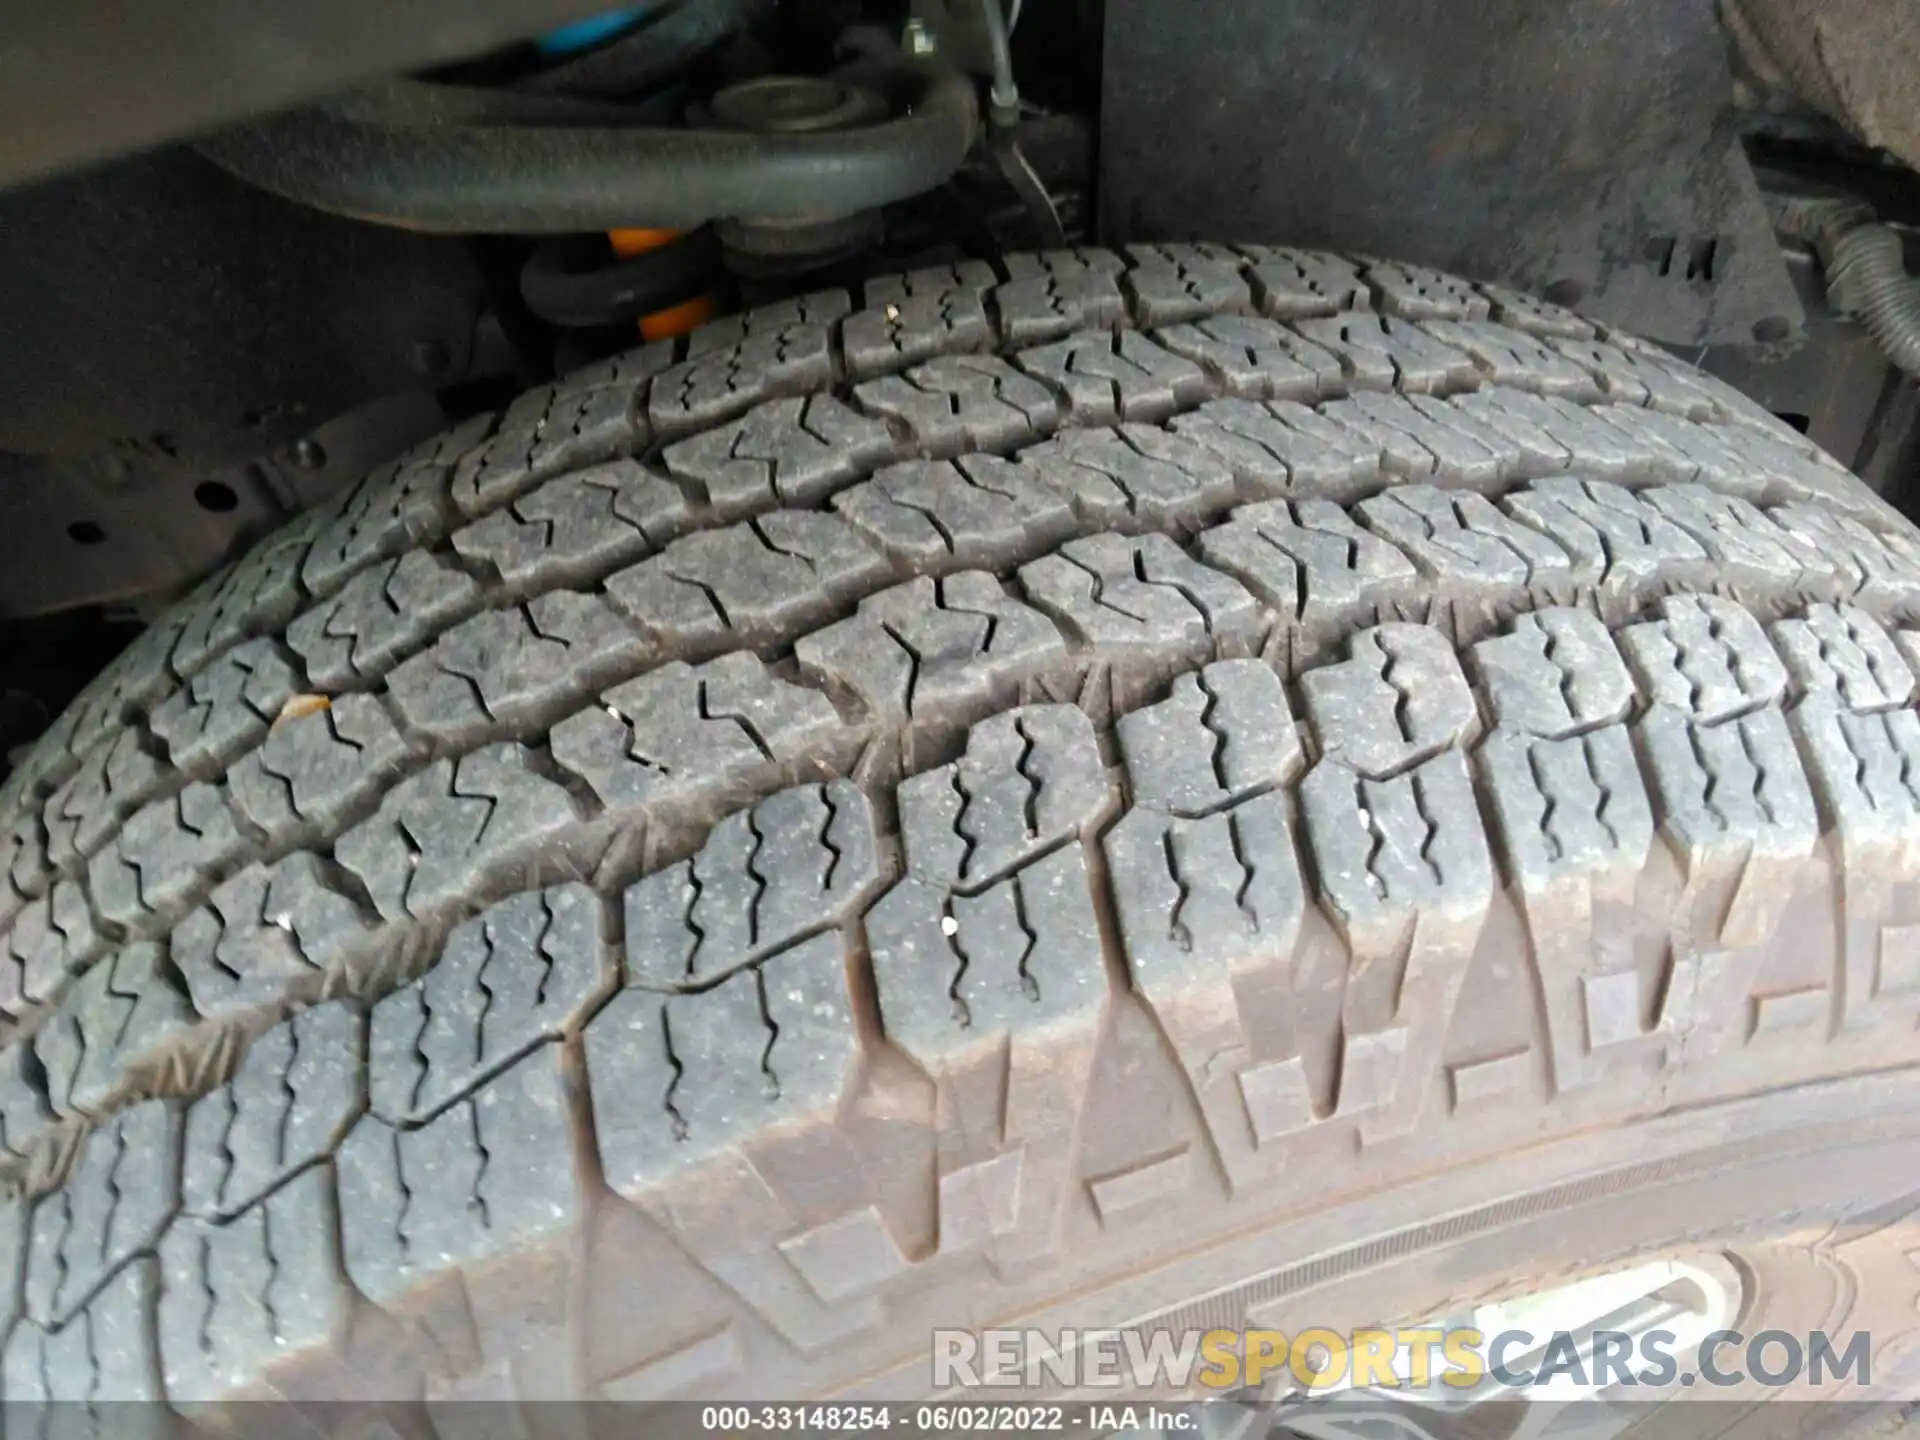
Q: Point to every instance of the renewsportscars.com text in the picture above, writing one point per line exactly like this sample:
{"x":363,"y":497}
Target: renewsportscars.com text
{"x":1421,"y":1358}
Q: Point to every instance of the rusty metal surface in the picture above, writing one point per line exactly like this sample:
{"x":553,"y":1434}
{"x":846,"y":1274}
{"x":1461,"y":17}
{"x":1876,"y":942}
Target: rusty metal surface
{"x":1856,"y":60}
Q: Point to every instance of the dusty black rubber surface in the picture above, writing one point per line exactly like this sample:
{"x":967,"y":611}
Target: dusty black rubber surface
{"x":877,"y":806}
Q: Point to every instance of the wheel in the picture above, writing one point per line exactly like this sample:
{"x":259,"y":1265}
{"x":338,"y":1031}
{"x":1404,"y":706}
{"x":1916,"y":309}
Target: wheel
{"x":1206,"y":787}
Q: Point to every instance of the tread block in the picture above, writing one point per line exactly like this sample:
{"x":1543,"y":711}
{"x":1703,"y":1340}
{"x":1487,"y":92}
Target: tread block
{"x":1003,"y":991}
{"x":817,"y":307}
{"x":683,"y":1079}
{"x":557,"y":428}
{"x":1294,"y":284}
{"x":1201,"y":902}
{"x":1020,"y":955}
{"x":1684,"y":450}
{"x":519,"y":973}
{"x":1383,"y":352}
{"x":1183,"y":282}
{"x":1733,"y":407}
{"x":578,"y":527}
{"x":117,"y":1199}
{"x":1142,"y":592}
{"x":1254,"y":358}
{"x":1733,"y":786}
{"x":1460,"y":540}
{"x":111,"y":1030}
{"x":242,"y":1297}
{"x":1532,"y":314}
{"x":1133,"y":475}
{"x":269,"y":932}
{"x":962,"y":402}
{"x":319,"y":770}
{"x":51,"y":939}
{"x":931,"y":649}
{"x":1522,"y":361}
{"x":801,"y":860}
{"x":1306,"y":560}
{"x":1796,"y":466}
{"x":702,"y":1083}
{"x":296,"y":1090}
{"x":1205,"y":898}
{"x":1400,"y":700}
{"x":1706,"y":657}
{"x":754,"y":583}
{"x":439,"y":833}
{"x":132,"y":681}
{"x":1613,"y":537}
{"x":1634,"y":377}
{"x":395,"y":508}
{"x":939,"y":515}
{"x":257,"y":596}
{"x":1280,"y":446}
{"x":845,"y":1257}
{"x":107,"y":1349}
{"x":514,"y":668}
{"x":1567,"y":807}
{"x":1842,"y":650}
{"x":1221,"y":734}
{"x":1030,"y":778}
{"x":630,"y":368}
{"x":1865,"y":770}
{"x":916,"y":316}
{"x":490,"y":1179}
{"x":787,"y":452}
{"x":166,"y":852}
{"x":1056,"y":292}
{"x":1390,"y":850}
{"x":1744,"y":544}
{"x":24,"y":1114}
{"x":1421,"y":437}
{"x":1551,"y":423}
{"x":1111,"y":375}
{"x":715,"y":384}
{"x":115,"y":778}
{"x":1768,"y":460}
{"x":225,"y":709}
{"x":378,"y":616}
{"x":1416,"y":293}
{"x":684,"y":730}
{"x":1555,"y":673}
{"x":1871,"y":565}
{"x":25,"y":838}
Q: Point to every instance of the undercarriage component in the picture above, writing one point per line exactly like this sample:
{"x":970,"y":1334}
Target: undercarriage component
{"x":159,"y":309}
{"x":1853,"y":59}
{"x":796,"y":105}
{"x":457,"y":160}
{"x":90,"y":79}
{"x":577,"y":281}
{"x":1580,"y":149}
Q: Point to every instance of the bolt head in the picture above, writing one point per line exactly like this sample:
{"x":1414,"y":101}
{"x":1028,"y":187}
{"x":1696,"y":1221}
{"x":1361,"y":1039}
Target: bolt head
{"x":918,"y":40}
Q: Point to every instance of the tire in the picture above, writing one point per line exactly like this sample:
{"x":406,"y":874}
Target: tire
{"x":1121,"y":791}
